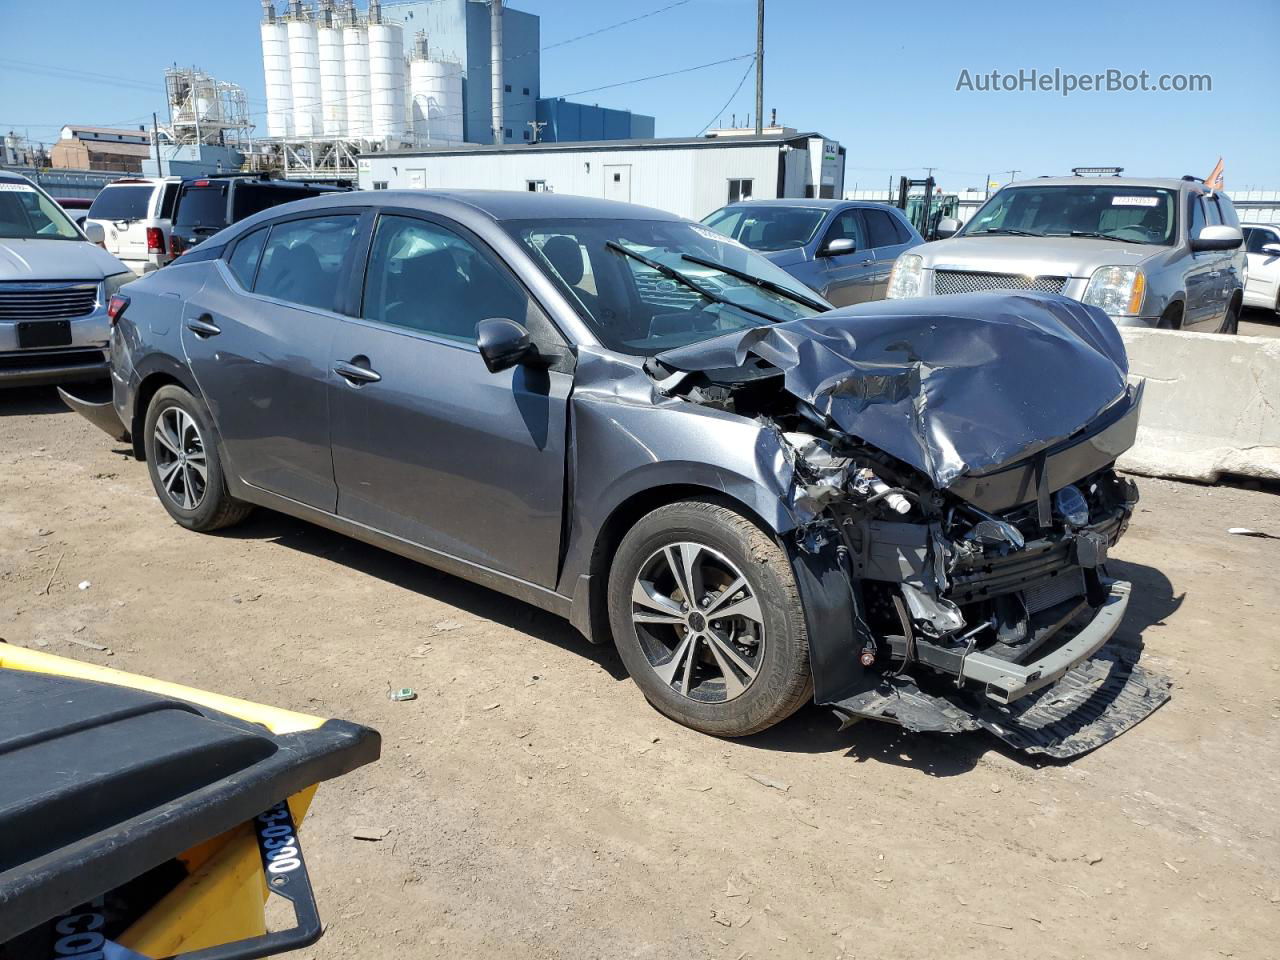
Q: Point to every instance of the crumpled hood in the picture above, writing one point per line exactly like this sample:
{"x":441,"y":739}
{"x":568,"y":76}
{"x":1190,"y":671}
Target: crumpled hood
{"x":55,"y":260}
{"x":1033,"y":256}
{"x":950,"y":385}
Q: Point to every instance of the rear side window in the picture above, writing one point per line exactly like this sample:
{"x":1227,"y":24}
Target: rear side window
{"x":243,"y":261}
{"x":122,"y":203}
{"x":1226,"y":212}
{"x":880,"y":228}
{"x":203,"y":206}
{"x":250,"y":197}
{"x":304,"y":259}
{"x":168,"y":201}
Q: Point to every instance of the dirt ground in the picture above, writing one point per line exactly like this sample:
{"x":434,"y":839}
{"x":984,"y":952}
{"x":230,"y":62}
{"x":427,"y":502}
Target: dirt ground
{"x":536,"y":806}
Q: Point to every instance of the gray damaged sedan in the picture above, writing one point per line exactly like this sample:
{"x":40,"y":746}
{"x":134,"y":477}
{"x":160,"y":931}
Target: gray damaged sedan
{"x":899,"y":510}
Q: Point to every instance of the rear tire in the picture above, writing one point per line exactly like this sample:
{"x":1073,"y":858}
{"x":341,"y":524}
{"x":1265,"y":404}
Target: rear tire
{"x":728,"y":675}
{"x":183,"y":461}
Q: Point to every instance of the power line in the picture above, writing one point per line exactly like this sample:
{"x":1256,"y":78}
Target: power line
{"x":614,"y":26}
{"x":736,"y":90}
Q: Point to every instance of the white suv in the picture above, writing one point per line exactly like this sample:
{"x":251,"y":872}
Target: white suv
{"x":136,"y":215}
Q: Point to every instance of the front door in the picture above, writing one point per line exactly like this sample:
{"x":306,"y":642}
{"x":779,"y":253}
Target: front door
{"x":849,"y":277}
{"x":258,"y":337}
{"x":617,"y":182}
{"x":1203,"y":275}
{"x":428,"y":445}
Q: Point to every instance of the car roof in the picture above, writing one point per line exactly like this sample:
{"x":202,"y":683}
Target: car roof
{"x":1167,"y":183}
{"x":7,"y":177}
{"x":495,"y":204}
{"x":803,"y":203}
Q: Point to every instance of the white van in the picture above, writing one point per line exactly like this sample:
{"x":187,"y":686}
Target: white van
{"x":56,"y":290}
{"x":136,"y":215}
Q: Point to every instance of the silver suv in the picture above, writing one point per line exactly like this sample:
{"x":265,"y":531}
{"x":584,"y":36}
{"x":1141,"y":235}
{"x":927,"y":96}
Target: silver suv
{"x":1155,"y":253}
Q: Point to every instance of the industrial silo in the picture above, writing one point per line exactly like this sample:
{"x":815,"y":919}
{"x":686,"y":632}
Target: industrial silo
{"x":355,"y":69}
{"x":275,"y":67}
{"x":304,"y":71}
{"x":386,"y":77}
{"x":333,"y":86}
{"x":435,"y":92}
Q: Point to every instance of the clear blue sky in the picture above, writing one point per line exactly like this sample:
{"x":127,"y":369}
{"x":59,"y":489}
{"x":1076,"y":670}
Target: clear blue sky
{"x":879,"y":77}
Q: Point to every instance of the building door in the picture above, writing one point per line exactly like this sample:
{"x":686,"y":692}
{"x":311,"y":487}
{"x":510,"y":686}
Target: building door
{"x":617,"y":182}
{"x":417,"y":179}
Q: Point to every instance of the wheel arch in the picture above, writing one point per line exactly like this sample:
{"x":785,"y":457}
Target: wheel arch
{"x":160,"y":373}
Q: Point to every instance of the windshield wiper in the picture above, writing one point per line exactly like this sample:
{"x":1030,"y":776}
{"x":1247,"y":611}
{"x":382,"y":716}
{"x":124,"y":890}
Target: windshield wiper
{"x":761,"y":282}
{"x":1101,"y":236}
{"x":694,"y":285}
{"x":1011,"y":231}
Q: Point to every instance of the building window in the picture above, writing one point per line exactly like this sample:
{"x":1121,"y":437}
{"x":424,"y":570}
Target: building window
{"x":507,"y":133}
{"x":525,"y":91}
{"x":526,"y":134}
{"x":379,"y":184}
{"x":536,"y":186}
{"x":739,"y":189}
{"x":506,"y":87}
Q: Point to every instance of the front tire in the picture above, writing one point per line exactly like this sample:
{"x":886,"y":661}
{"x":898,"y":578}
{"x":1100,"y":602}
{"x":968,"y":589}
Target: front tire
{"x":183,"y":461}
{"x":707,"y":618}
{"x":1231,"y":322}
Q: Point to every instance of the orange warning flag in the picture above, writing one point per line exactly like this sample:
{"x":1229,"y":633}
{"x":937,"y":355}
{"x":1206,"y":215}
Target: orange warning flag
{"x":1214,"y":180}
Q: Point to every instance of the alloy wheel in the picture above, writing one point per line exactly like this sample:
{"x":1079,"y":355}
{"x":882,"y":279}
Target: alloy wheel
{"x":699,"y":622}
{"x":180,"y":458}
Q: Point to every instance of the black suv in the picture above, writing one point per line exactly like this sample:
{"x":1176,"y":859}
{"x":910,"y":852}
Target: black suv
{"x":208,"y":204}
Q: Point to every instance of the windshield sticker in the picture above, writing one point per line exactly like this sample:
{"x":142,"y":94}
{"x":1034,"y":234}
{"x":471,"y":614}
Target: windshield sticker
{"x":706,"y":234}
{"x":1134,"y":201}
{"x":16,"y":188}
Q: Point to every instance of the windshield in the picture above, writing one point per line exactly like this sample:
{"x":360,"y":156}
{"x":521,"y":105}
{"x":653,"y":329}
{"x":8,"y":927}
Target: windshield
{"x":203,"y":206}
{"x":28,"y":214}
{"x":767,"y":227}
{"x":1099,"y":210}
{"x":121,"y":203}
{"x":636,"y":308}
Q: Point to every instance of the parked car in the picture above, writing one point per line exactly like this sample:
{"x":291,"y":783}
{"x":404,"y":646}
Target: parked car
{"x":842,"y":249}
{"x":77,"y":208}
{"x":207,"y":204}
{"x":136,"y":216}
{"x":1155,"y":253}
{"x":1262,"y":247}
{"x":55,"y":285}
{"x":759,"y":500}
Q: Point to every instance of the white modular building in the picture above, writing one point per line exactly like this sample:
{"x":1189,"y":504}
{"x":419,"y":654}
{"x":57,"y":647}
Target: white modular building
{"x":687,"y":176}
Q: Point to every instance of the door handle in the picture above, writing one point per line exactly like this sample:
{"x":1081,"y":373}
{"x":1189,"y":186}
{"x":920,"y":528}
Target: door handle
{"x":356,"y":371}
{"x":203,"y":326}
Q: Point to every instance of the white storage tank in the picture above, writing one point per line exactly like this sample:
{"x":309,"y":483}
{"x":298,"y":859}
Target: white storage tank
{"x":435,"y":87}
{"x":333,"y":86}
{"x":304,"y":72}
{"x":355,"y":70}
{"x":275,"y":67}
{"x":386,"y":82}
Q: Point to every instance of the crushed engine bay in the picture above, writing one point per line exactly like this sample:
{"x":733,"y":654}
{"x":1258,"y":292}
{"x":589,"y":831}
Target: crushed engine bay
{"x":954,"y":459}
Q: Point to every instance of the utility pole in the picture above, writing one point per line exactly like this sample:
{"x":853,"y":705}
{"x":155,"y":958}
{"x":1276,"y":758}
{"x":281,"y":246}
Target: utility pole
{"x":759,"y":67}
{"x":537,"y":128}
{"x":986,"y":188}
{"x":155,"y":142}
{"x":1013,"y":175}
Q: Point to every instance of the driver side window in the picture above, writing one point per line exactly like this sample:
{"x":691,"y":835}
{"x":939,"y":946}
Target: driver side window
{"x":1195,"y":216}
{"x":848,"y":225}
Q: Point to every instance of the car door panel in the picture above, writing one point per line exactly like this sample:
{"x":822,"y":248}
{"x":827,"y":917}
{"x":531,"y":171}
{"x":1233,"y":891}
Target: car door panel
{"x":265,"y":379}
{"x":850,"y":277}
{"x":1201,"y":274}
{"x":445,"y":454}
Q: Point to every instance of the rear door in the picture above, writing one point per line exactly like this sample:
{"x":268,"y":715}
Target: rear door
{"x":122,"y":210}
{"x":888,"y":238}
{"x":258,"y":338}
{"x":428,"y":445}
{"x":850,"y":277}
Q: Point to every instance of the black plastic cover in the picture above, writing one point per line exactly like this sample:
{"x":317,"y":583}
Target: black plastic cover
{"x":100,"y":783}
{"x":950,"y":385}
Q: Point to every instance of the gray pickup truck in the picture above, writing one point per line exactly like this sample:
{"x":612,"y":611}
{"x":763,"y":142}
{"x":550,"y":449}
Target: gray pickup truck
{"x":1149,"y":252}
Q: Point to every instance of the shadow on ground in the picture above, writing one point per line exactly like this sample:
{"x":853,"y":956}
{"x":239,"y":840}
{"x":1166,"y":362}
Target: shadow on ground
{"x":411,"y":575}
{"x":29,"y":401}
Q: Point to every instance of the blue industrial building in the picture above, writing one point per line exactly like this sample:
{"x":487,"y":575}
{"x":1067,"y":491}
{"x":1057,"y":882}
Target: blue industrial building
{"x":459,"y":30}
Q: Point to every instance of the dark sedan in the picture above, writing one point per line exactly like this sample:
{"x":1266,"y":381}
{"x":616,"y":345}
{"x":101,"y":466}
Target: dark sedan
{"x":632,"y":421}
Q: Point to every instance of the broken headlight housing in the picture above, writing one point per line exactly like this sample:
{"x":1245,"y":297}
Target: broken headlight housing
{"x":1118,"y":290}
{"x":907,"y":278}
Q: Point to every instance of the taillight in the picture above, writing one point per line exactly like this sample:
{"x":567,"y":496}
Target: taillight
{"x":177,"y":246}
{"x":155,"y":240}
{"x":116,"y":307}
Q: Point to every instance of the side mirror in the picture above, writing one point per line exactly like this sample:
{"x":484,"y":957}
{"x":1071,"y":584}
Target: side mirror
{"x":1217,"y":238}
{"x":947,"y":227}
{"x":503,"y":343}
{"x":95,"y":233}
{"x":1271,"y":249}
{"x":838,"y":247}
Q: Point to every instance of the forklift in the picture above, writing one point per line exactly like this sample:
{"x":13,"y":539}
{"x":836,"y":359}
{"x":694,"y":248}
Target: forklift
{"x":925,"y":210}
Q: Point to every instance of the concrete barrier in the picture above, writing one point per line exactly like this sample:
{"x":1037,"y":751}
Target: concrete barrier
{"x":1212,"y":405}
